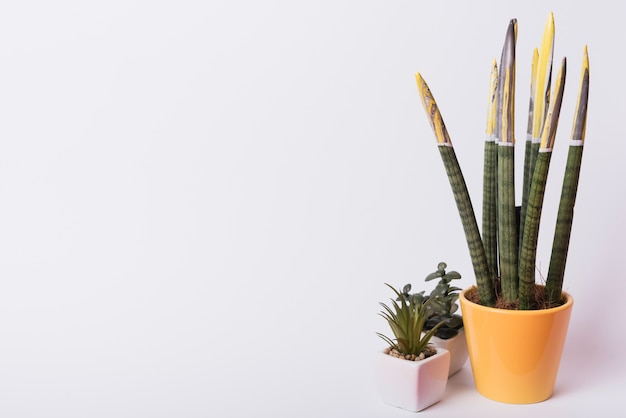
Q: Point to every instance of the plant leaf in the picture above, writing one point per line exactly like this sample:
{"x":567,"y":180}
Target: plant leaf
{"x":434,"y":275}
{"x":452,"y":275}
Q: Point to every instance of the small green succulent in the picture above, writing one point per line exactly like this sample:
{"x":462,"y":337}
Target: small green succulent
{"x":407,"y":320}
{"x":443,"y":303}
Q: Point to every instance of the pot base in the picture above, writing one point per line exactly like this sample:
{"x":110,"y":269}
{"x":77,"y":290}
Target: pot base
{"x":412,"y":385}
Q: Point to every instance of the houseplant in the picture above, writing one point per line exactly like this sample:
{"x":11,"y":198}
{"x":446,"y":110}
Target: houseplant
{"x":528,"y":349}
{"x":443,"y":307}
{"x":411,"y":374}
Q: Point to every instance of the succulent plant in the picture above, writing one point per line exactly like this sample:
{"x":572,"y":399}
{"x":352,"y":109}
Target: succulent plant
{"x":407,"y":318}
{"x":443,"y":302}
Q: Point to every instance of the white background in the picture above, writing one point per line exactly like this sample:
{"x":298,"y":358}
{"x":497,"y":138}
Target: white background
{"x":200,"y":201}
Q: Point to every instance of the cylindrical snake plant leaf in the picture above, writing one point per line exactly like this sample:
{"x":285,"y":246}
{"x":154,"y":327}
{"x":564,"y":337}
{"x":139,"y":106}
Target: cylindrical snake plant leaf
{"x":543,"y":78}
{"x":560,"y":245}
{"x":528,"y":145}
{"x":489,"y":224}
{"x":507,"y":218}
{"x":484,"y":281}
{"x":535,"y":198}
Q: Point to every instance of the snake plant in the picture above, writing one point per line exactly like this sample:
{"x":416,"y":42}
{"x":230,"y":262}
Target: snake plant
{"x":504,"y":257}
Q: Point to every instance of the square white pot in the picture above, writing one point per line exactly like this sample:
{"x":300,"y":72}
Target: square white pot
{"x":412,"y":385}
{"x":457,"y":346}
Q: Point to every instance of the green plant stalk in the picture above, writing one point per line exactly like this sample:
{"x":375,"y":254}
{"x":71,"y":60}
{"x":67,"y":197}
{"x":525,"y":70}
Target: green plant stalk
{"x":528,"y":252}
{"x":484,"y":278}
{"x":528,"y":145}
{"x":507,"y":225}
{"x":565,"y":215}
{"x":489,"y":215}
{"x":525,"y":185}
{"x":505,"y":133}
{"x":541,"y":81}
{"x":532,"y":160}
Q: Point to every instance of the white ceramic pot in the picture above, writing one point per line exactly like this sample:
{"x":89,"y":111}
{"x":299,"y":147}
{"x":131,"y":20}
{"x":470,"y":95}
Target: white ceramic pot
{"x":457,"y":346}
{"x":412,"y":385}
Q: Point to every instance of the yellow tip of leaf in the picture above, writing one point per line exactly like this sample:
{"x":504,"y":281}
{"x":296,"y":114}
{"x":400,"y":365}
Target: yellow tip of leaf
{"x":432,"y":112}
{"x":533,"y":71}
{"x":585,"y":58}
{"x":544,"y":70}
{"x":420,"y":81}
{"x":552,"y":119}
{"x":493,"y":94}
{"x":505,"y":131}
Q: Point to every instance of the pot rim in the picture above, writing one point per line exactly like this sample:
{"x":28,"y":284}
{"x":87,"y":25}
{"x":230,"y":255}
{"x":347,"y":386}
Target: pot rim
{"x":567,"y":305}
{"x":440,"y":351}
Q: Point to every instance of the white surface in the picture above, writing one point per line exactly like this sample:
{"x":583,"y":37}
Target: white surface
{"x":200,"y":201}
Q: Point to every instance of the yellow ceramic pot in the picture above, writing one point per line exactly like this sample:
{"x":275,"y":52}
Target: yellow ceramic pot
{"x":515,"y":355}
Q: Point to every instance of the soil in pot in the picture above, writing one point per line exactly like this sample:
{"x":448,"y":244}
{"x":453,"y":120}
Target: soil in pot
{"x":426,"y":352}
{"x":540,"y":301}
